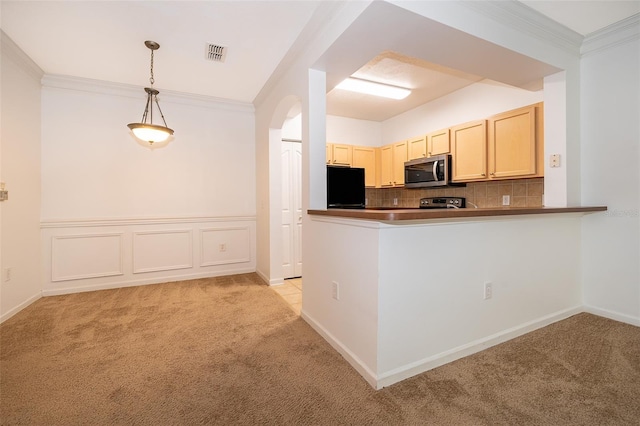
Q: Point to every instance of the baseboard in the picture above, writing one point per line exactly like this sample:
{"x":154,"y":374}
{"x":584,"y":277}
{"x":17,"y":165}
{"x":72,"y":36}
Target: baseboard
{"x":147,"y":281}
{"x":268,"y":281}
{"x":616,"y":316}
{"x":402,"y":373}
{"x":349,"y":356}
{"x":20,"y":307}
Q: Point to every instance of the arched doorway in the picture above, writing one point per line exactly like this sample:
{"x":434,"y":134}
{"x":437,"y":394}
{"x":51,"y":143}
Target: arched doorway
{"x":285,"y":204}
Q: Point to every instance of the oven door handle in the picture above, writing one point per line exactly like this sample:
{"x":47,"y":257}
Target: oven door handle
{"x":435,"y":171}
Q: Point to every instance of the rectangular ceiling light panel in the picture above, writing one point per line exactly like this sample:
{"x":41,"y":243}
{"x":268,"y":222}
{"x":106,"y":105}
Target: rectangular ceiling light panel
{"x":372,"y":88}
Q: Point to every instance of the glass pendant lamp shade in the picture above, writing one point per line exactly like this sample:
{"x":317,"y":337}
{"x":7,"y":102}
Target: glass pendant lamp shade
{"x":150,"y":132}
{"x":146,"y":130}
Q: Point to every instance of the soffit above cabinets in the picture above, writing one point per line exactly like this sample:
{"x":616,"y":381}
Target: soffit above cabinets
{"x":426,"y":80}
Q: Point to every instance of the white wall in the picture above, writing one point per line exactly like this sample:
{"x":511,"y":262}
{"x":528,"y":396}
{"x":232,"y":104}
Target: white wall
{"x":93,"y":167}
{"x":116,"y":212}
{"x":350,"y":254}
{"x":475,"y":102}
{"x":431,"y":301}
{"x":292,"y":128}
{"x":20,"y":170}
{"x":610,"y":92}
{"x":352,"y":131}
{"x":406,"y":306}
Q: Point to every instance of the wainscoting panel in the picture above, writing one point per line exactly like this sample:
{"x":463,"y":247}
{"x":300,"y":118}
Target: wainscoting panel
{"x":96,"y":254}
{"x":162,"y":250}
{"x":221,"y":246}
{"x":102,"y":254}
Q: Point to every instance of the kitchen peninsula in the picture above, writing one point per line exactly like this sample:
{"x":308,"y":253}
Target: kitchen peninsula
{"x":395,"y":214}
{"x":402,"y":291}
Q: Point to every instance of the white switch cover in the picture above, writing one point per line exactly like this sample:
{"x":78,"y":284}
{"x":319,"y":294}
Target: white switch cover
{"x":554,"y":160}
{"x":335,"y":290}
{"x":506,"y":200}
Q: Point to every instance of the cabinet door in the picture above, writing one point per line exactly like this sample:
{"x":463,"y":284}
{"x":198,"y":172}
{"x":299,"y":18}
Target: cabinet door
{"x":366,"y":158}
{"x":469,"y":151}
{"x":386,"y":166}
{"x":329,"y":153}
{"x":399,"y":157}
{"x":512,"y":143}
{"x":417,"y":148}
{"x":438,"y":142}
{"x":342,"y":154}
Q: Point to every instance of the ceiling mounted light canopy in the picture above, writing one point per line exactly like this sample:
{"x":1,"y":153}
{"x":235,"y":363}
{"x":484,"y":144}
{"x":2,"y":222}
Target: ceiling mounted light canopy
{"x":146,"y":130}
{"x":373,"y":88}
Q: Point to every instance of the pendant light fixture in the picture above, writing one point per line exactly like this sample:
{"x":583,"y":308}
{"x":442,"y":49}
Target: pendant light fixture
{"x":146,"y":130}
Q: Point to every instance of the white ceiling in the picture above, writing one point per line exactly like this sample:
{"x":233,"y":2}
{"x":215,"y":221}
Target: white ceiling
{"x":105,"y":41}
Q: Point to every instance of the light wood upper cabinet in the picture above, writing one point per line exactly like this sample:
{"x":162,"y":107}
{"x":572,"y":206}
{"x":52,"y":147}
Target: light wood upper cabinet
{"x":512,"y":144}
{"x":365,"y":157}
{"x":342,"y":155}
{"x":438,"y":143}
{"x":386,"y":166}
{"x":399,"y":158}
{"x":469,"y":151}
{"x":417,"y":148}
{"x":392,"y":159}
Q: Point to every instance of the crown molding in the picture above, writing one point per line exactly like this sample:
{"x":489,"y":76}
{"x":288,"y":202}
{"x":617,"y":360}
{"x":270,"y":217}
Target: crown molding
{"x":522,"y":18}
{"x":615,"y":34}
{"x":65,"y":82}
{"x":13,"y":52}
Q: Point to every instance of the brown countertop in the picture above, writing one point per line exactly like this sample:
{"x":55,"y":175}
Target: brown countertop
{"x":386,"y":214}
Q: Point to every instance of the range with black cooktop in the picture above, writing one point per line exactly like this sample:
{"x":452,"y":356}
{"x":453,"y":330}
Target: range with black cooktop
{"x":443,"y":203}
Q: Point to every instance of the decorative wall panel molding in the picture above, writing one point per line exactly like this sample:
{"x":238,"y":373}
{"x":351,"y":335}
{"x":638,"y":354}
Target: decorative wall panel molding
{"x":75,"y":257}
{"x":222,"y":246}
{"x":125,"y":252}
{"x":162,"y":250}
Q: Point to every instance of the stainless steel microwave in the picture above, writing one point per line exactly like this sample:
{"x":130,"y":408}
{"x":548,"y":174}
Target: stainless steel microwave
{"x":429,"y":172}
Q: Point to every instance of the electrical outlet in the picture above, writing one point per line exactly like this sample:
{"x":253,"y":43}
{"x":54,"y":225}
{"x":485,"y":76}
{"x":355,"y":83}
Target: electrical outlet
{"x":506,"y":200}
{"x":223,"y":247}
{"x":395,"y":201}
{"x":554,"y":160}
{"x":488,"y":290}
{"x":335,"y":290}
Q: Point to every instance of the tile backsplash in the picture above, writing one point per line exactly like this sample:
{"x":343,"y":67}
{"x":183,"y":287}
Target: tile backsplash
{"x":522,"y":193}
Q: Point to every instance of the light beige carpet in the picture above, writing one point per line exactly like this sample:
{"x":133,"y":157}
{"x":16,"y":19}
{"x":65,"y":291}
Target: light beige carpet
{"x":230,"y":351}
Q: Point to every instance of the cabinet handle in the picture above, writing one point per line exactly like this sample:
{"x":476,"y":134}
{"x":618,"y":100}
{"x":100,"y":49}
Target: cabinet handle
{"x":492,"y":174}
{"x":429,"y":153}
{"x":484,"y":174}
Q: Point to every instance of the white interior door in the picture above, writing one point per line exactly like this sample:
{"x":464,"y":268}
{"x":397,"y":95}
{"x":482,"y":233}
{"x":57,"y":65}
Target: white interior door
{"x":291,"y":209}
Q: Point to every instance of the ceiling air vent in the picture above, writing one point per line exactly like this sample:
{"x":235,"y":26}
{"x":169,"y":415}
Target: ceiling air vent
{"x":215,"y":52}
